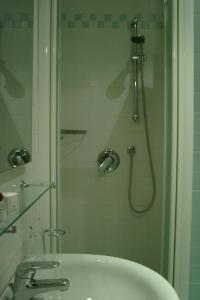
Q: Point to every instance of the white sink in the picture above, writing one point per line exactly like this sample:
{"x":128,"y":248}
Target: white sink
{"x":95,"y":277}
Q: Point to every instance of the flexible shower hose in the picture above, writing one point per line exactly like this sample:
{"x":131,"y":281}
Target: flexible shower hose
{"x":152,"y":200}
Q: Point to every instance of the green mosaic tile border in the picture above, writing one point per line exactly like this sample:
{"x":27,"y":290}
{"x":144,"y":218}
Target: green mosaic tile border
{"x":86,"y":21}
{"x":21,"y":20}
{"x":108,"y":20}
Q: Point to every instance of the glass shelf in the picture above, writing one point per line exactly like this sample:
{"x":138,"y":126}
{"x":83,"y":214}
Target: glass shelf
{"x":27,"y":196}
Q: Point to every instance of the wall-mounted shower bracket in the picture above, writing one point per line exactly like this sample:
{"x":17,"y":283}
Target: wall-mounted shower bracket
{"x":18,"y":157}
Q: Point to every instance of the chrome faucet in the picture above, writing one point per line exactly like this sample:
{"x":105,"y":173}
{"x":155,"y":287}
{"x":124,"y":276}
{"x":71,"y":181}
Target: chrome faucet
{"x":26,"y":286}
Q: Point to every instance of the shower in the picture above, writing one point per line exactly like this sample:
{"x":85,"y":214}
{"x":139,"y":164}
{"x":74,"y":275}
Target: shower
{"x":114,"y":133}
{"x":138,"y":60}
{"x":102,"y":110}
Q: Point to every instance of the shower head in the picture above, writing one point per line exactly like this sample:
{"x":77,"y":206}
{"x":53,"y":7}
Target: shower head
{"x":136,"y":38}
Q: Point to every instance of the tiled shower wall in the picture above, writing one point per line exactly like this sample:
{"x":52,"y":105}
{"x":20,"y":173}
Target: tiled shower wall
{"x":97,"y":96}
{"x":195,"y":242}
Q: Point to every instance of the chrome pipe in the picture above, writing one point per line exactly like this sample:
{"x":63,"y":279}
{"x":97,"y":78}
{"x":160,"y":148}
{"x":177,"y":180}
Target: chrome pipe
{"x":136,"y":93}
{"x":137,"y":58}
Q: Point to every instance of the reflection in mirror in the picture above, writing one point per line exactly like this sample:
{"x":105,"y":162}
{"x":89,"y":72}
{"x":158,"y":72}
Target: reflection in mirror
{"x":16,"y":68}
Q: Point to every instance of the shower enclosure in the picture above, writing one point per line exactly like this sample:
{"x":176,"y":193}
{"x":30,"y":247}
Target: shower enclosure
{"x":111,"y":56}
{"x":101,"y":90}
{"x":112,"y":128}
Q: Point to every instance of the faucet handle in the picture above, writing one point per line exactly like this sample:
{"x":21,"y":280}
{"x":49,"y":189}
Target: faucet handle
{"x":28,"y":269}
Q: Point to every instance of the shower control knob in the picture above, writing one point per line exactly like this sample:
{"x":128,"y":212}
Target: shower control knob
{"x":108,"y":161}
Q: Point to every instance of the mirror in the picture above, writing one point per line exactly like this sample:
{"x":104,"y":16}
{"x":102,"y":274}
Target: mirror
{"x":16,"y":77}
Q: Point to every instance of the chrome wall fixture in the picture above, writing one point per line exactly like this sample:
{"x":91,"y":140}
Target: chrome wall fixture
{"x":108,"y":161}
{"x":18,"y":157}
{"x":12,"y":229}
{"x":137,"y":58}
{"x":131,"y":149}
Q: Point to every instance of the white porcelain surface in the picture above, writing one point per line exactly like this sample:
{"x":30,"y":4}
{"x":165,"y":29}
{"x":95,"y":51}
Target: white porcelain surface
{"x":94,"y":277}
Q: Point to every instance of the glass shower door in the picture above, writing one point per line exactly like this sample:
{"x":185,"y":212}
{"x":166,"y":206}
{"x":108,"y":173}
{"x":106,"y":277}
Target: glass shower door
{"x":96,"y":106}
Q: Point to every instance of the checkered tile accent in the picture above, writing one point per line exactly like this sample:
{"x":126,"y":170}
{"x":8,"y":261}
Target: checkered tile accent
{"x":86,"y":21}
{"x":22,"y":20}
{"x":78,"y":20}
